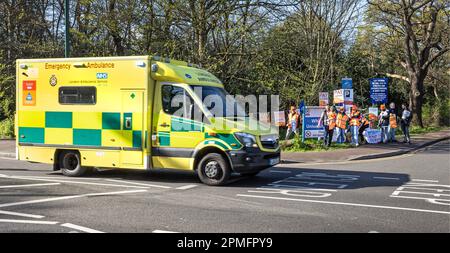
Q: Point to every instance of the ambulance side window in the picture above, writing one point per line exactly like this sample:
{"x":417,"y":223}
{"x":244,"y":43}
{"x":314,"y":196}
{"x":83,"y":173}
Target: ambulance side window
{"x":176,"y":101}
{"x":78,"y":95}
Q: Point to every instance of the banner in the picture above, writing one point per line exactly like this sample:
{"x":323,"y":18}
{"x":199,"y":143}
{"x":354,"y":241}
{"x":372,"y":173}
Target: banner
{"x":379,"y":90}
{"x":338,"y":96}
{"x":311,"y":119}
{"x":279,"y":118}
{"x":372,"y":136}
{"x":374,"y":111}
{"x":323,"y":99}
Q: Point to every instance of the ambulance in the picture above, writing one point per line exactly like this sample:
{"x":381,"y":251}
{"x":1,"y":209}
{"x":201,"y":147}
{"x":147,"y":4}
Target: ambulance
{"x":119,"y":112}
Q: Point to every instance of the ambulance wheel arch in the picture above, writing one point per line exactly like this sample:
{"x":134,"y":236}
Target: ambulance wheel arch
{"x":69,"y":162}
{"x":212,"y":165}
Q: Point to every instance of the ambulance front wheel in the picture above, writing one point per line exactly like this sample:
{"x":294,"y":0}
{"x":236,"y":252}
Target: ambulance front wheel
{"x":70,"y":164}
{"x":213,"y":170}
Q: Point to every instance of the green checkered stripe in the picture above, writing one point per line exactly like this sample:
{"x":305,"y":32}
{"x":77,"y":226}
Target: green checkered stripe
{"x":81,"y":137}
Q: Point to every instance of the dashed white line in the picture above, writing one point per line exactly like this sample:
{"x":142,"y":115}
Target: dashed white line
{"x":141,"y":184}
{"x":186,"y":187}
{"x":164,"y":232}
{"x":22,"y":214}
{"x":81,"y":228}
{"x":387,"y":178}
{"x":423,"y":180}
{"x":74,"y":182}
{"x":281,"y":171}
{"x":29,"y":221}
{"x":346,"y":204}
{"x":69,"y":197}
{"x":27,"y":185}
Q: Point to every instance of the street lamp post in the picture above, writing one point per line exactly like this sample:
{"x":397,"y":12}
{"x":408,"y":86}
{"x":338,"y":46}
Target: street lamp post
{"x":67,"y":32}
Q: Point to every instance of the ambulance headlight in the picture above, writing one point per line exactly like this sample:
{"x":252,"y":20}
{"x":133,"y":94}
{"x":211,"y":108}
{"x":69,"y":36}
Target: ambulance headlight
{"x":248,"y":140}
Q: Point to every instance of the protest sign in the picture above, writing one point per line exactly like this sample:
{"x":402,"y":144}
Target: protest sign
{"x":311,"y":121}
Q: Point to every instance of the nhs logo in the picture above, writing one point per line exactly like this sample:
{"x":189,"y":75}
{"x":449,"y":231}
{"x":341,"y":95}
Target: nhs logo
{"x":102,"y":75}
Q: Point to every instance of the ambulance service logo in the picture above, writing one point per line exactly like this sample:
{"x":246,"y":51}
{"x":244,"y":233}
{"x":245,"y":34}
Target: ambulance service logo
{"x":53,"y":80}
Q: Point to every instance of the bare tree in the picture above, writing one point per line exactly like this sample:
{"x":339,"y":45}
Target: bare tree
{"x":415,"y":22}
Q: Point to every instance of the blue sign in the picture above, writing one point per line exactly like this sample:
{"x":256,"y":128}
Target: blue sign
{"x":102,"y":75}
{"x":311,"y":127}
{"x":347,"y":83}
{"x":379,"y":90}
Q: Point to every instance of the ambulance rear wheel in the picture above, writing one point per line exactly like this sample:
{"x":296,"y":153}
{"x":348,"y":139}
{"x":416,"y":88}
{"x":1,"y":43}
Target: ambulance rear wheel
{"x":213,"y":170}
{"x":70,"y":164}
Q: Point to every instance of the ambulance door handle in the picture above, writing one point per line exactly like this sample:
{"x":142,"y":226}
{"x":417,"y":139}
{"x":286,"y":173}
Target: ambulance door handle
{"x":164,"y":125}
{"x":128,"y":123}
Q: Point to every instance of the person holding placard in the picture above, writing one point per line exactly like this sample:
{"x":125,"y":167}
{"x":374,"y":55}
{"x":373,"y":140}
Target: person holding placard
{"x":293,"y":120}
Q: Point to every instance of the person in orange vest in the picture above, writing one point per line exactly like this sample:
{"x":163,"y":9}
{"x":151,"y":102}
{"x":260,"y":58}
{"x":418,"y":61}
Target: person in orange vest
{"x":293,"y":121}
{"x":392,"y":122}
{"x":341,"y":124}
{"x":355,"y":121}
{"x":329,"y":122}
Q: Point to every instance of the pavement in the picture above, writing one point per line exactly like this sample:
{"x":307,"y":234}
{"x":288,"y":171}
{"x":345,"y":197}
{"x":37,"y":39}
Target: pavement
{"x":368,"y":151}
{"x":406,"y":193}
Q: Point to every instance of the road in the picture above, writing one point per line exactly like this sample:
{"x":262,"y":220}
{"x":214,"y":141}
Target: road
{"x":409,"y":193}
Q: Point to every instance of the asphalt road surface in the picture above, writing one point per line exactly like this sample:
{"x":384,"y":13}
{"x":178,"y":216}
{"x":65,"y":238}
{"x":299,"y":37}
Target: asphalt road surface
{"x":409,"y":193}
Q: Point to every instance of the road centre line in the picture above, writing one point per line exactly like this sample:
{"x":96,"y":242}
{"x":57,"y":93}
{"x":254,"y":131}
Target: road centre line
{"x":74,"y":182}
{"x":29,"y":221}
{"x":69,"y":197}
{"x":346,"y":204}
{"x":27,"y":185}
{"x":22,"y":214}
{"x":80,"y":228}
{"x":423,"y":180}
{"x":280,"y":171}
{"x":186,"y":187}
{"x":164,"y":232}
{"x":276,"y":186}
{"x":387,"y":178}
{"x":65,"y":178}
{"x":141,"y":184}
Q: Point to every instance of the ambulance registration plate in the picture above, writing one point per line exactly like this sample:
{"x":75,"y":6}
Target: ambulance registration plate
{"x":274,"y":161}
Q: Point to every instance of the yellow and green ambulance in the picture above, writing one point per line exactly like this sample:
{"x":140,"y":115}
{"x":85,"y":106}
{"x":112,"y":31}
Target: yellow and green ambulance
{"x":119,"y":112}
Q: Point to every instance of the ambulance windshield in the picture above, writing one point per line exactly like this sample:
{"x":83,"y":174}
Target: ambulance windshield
{"x":219,"y":102}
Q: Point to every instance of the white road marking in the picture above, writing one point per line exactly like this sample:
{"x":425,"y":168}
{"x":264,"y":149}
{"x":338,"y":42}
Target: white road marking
{"x":29,"y":221}
{"x":63,"y":178}
{"x":81,"y":228}
{"x":75,"y":182}
{"x":164,"y":231}
{"x":27,"y":185}
{"x":69,"y":197}
{"x":8,"y":158}
{"x":387,"y":178}
{"x":141,"y":184}
{"x":271,"y":186}
{"x":431,"y":200}
{"x":346,"y":204}
{"x":297,"y":193}
{"x":186,"y":187}
{"x":423,"y":180}
{"x":281,"y":171}
{"x":22,"y":214}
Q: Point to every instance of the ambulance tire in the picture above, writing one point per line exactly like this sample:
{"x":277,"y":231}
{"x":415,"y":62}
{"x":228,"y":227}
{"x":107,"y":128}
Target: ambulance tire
{"x":70,"y":163}
{"x":213,"y":170}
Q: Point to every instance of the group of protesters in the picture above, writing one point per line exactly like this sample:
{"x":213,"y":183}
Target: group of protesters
{"x":356,"y":123}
